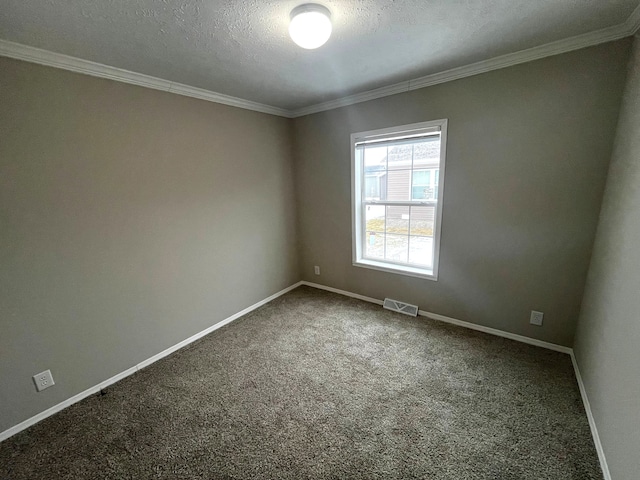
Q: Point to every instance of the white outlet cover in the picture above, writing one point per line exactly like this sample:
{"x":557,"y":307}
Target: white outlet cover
{"x":43,"y":380}
{"x":316,"y":270}
{"x":536,"y":318}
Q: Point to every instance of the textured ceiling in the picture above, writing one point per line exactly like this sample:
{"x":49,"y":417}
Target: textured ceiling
{"x":241,"y":48}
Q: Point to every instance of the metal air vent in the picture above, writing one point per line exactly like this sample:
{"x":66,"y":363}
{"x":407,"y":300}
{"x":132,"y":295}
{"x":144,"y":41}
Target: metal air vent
{"x":400,"y":307}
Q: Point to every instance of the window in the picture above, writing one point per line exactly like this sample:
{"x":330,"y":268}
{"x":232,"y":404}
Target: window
{"x":397,"y":187}
{"x":424,"y":184}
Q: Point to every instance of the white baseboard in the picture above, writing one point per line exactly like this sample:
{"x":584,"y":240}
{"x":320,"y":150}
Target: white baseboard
{"x":454,"y":321}
{"x":218,"y":325}
{"x":110,"y":381}
{"x":496,"y":332}
{"x":512,"y":336}
{"x":64,"y":404}
{"x":342,"y":292}
{"x":592,"y":422}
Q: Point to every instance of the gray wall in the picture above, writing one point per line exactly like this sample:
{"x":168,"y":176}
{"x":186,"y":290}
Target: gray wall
{"x":527,"y":156}
{"x":607,"y":344}
{"x":130,"y":219}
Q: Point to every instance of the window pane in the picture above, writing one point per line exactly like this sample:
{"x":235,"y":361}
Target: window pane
{"x":421,"y":251}
{"x":422,"y":221}
{"x":420,"y":193}
{"x":397,"y":248}
{"x":398,"y":220}
{"x":423,"y":188}
{"x":421,"y":177}
{"x":424,"y":193}
{"x":375,"y":159}
{"x":372,"y":187}
{"x":427,"y":153}
{"x":374,"y":245}
{"x":400,"y":157}
{"x":375,"y":218}
{"x":398,"y":185}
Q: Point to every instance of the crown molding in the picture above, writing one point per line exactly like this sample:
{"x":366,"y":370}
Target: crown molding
{"x":523,"y":56}
{"x":400,"y":87}
{"x":633,"y":22}
{"x":210,"y":96}
{"x":51,"y":59}
{"x":628,"y":28}
{"x":78,"y":65}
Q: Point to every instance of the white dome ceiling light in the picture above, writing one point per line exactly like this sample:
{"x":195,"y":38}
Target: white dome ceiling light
{"x":310,"y":25}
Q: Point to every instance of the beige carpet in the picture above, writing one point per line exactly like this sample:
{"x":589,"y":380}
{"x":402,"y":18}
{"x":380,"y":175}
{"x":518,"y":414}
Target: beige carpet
{"x":317,"y":385}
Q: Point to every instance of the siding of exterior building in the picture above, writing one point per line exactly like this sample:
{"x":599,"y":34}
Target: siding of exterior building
{"x":398,"y":179}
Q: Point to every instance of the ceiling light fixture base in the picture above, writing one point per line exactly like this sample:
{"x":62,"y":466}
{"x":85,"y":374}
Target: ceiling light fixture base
{"x":310,"y":25}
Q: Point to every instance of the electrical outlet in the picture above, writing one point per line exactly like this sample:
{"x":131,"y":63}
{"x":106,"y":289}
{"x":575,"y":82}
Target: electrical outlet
{"x":536,"y":318}
{"x":43,"y":380}
{"x":316,"y":270}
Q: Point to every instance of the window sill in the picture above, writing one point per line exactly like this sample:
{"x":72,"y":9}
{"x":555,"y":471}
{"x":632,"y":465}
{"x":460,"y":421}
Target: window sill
{"x":399,"y":269}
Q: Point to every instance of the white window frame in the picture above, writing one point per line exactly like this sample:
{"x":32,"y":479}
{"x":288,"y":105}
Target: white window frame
{"x":357,"y":186}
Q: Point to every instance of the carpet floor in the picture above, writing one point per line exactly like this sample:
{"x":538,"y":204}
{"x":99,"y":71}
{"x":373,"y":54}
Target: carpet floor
{"x":318,"y":385}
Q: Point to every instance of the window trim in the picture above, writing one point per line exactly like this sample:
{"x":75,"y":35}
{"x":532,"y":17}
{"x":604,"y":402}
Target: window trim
{"x":357,"y":180}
